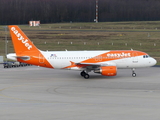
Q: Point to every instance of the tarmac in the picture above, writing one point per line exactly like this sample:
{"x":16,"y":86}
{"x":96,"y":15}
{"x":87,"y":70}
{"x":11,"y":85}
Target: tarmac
{"x":35,"y":93}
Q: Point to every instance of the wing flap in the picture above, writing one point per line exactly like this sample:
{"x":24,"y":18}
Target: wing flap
{"x":93,"y":64}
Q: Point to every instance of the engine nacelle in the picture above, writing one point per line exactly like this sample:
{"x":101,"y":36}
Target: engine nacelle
{"x":107,"y":70}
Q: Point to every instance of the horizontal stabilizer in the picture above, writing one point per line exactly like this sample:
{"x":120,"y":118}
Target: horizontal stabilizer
{"x":13,"y":56}
{"x":23,"y":57}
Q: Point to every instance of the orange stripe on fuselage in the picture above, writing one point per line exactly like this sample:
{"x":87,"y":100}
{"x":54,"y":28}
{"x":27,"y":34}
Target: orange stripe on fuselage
{"x":114,"y":55}
{"x":36,"y":58}
{"x":110,"y":56}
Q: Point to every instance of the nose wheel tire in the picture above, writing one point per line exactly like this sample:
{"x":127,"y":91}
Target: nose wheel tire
{"x":133,"y":74}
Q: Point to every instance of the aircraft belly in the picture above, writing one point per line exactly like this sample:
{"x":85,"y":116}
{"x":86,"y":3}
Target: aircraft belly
{"x":122,"y":63}
{"x":59,"y":63}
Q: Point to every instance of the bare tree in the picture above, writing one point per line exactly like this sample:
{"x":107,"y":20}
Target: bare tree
{"x":49,"y":11}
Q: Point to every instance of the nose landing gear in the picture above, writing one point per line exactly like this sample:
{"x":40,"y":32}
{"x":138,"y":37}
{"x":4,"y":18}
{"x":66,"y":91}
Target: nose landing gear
{"x":133,"y":72}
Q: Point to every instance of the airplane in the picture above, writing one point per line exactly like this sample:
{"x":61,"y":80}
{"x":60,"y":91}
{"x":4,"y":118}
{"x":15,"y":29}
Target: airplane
{"x":105,"y":62}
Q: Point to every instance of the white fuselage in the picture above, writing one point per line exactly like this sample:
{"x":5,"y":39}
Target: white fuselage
{"x":61,"y":59}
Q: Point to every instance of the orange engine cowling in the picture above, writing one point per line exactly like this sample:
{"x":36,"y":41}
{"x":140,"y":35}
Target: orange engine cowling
{"x":107,"y":70}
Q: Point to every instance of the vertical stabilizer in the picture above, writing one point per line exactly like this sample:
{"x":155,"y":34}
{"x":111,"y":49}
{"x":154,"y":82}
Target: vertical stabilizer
{"x":20,"y":41}
{"x":25,"y":50}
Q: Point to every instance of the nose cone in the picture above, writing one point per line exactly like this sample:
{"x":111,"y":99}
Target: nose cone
{"x":153,"y":62}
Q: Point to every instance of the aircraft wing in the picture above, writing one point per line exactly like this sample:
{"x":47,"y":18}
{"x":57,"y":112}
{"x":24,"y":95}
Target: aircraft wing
{"x":92,"y":64}
{"x":95,"y":65}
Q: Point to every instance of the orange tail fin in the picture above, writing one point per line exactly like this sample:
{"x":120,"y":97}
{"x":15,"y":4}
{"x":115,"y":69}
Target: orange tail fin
{"x":25,"y":50}
{"x":20,"y":41}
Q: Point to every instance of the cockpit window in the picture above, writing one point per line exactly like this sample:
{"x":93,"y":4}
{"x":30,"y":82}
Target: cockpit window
{"x":146,"y":56}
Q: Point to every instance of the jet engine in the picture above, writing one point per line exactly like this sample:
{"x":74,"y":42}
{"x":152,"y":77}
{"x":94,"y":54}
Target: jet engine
{"x":107,"y":70}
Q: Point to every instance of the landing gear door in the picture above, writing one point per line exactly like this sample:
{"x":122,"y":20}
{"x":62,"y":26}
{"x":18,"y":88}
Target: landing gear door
{"x":135,"y":57}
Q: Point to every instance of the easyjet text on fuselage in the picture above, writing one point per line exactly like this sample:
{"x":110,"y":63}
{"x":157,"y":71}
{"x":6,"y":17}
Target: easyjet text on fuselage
{"x":118,"y":55}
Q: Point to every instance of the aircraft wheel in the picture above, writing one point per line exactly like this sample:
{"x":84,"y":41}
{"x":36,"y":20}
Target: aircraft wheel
{"x":83,"y":73}
{"x":133,"y":74}
{"x":86,"y":76}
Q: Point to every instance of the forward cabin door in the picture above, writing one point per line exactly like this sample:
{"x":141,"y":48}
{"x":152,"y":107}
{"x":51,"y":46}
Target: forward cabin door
{"x":134,"y":58}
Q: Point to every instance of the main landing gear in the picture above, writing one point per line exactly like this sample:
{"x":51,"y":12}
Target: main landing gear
{"x":85,"y":75}
{"x":133,"y":72}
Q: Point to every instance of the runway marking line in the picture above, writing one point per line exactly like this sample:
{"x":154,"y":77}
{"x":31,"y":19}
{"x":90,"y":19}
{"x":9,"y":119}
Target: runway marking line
{"x":10,"y":96}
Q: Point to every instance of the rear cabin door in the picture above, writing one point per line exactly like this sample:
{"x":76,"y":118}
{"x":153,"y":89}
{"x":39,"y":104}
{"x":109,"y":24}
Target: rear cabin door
{"x":41,"y":58}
